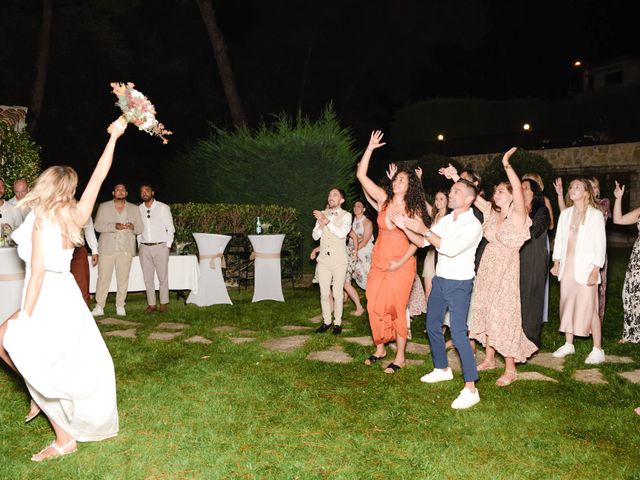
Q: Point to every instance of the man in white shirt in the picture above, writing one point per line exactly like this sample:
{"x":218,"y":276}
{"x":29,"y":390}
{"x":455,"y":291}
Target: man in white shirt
{"x":9,"y":215}
{"x":331,"y":228}
{"x":20,"y":190}
{"x":455,"y":238}
{"x":154,"y":244}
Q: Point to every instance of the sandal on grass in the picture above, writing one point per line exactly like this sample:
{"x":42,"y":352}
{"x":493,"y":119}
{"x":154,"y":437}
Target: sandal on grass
{"x":57,"y":451}
{"x":34,"y":410}
{"x":393,"y":367}
{"x":373,"y":359}
{"x":507,"y":378}
{"x":485,"y":365}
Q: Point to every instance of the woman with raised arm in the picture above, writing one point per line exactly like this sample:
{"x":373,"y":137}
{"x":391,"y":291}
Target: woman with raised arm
{"x":631,"y":288}
{"x":53,"y":340}
{"x":578,"y":255}
{"x":497,"y":317}
{"x":393,"y":266}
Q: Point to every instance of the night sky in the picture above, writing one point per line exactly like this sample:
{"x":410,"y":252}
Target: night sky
{"x":369,"y":58}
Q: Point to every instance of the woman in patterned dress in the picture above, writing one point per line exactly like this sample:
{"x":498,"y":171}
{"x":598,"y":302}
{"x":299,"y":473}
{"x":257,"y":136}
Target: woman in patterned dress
{"x":497,"y":318}
{"x":631,"y":289}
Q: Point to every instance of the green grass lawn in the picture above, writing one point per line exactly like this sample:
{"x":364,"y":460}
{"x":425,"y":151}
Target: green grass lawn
{"x":242,"y":411}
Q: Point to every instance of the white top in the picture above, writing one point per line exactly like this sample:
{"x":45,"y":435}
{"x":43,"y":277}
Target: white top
{"x":90,"y":237}
{"x":340,"y":231}
{"x":459,"y":240}
{"x":10,"y":214}
{"x":157,"y":224}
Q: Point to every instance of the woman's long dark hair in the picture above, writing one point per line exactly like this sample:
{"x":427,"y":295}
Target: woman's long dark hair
{"x":414,"y":199}
{"x":538,"y":198}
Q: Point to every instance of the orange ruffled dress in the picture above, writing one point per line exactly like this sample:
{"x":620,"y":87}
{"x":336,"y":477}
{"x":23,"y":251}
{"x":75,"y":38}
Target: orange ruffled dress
{"x":388,"y":292}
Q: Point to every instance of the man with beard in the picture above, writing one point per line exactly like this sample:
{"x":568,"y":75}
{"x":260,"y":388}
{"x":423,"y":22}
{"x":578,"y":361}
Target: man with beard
{"x":118,"y":223}
{"x":154,"y":243}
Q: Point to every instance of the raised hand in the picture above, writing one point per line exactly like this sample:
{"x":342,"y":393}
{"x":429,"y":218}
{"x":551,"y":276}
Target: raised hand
{"x":448,"y":172}
{"x":618,"y":192}
{"x":557,"y":184}
{"x":117,"y":128}
{"x":507,"y":156}
{"x":418,"y":171}
{"x":375,"y":140}
{"x":392,"y":170}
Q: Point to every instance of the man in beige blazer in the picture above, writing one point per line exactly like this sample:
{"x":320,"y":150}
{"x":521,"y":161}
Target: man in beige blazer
{"x":118,"y":223}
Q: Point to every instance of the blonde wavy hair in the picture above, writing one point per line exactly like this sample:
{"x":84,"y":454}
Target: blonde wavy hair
{"x":52,"y":198}
{"x":591,"y":196}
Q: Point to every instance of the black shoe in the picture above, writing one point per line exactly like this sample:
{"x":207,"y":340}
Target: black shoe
{"x":323,"y":328}
{"x":337,"y":329}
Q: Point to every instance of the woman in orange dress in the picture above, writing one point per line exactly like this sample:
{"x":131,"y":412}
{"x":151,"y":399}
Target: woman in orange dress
{"x":393,"y":266}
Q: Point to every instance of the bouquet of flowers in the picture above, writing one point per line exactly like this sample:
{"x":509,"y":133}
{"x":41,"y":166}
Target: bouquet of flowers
{"x":137,"y":109}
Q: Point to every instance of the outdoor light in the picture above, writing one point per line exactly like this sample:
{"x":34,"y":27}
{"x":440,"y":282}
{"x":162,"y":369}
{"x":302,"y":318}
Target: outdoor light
{"x":526,"y":127}
{"x":440,"y":137}
{"x":577,"y":63}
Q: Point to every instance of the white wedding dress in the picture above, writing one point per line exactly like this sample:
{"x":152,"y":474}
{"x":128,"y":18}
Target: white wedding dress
{"x":59,"y":350}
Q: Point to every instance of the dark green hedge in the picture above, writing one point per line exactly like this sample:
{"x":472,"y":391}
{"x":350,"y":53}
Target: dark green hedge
{"x":19,"y":157}
{"x":523,"y":162}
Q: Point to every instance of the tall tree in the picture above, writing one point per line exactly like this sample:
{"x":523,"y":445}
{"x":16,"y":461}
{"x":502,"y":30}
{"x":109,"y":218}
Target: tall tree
{"x":40,"y":81}
{"x":222,"y":59}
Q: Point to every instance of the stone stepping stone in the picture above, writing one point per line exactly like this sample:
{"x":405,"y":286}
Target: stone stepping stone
{"x":172,"y":325}
{"x":286,"y":344}
{"x":618,"y":359}
{"x":546,"y":359}
{"x":333,"y":355}
{"x":289,"y":328}
{"x":130,"y":333}
{"x":164,"y":336}
{"x":537,"y":376}
{"x":591,"y":375}
{"x":239,"y":340}
{"x":117,"y":321}
{"x":198,"y":339}
{"x":223,"y":329}
{"x":364,"y":341}
{"x":412,"y":347}
{"x":633,"y":377}
{"x":316,"y":319}
{"x":247,"y":332}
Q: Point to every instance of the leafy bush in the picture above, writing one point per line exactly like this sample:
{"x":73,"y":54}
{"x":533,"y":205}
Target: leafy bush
{"x":290,"y":163}
{"x":228,"y":219}
{"x":523,"y":162}
{"x":19,"y":157}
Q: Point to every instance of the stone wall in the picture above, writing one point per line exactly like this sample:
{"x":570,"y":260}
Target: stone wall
{"x":623,"y":158}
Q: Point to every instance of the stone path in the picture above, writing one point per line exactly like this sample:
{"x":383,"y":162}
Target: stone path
{"x":337,"y":353}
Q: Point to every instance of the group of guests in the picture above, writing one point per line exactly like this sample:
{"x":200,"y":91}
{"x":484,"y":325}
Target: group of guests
{"x":486,"y":270}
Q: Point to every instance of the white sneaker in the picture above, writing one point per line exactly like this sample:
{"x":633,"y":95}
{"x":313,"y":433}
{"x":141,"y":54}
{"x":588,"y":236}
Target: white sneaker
{"x":437,"y":375}
{"x":120,"y":311}
{"x":97,"y":311}
{"x":595,"y":357}
{"x":466,"y":399}
{"x":564,"y":350}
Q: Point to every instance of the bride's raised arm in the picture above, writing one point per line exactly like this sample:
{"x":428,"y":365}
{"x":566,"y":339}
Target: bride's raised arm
{"x":370,"y":188}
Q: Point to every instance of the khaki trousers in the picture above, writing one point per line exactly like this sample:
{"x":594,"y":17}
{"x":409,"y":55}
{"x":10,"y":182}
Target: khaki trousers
{"x":154,"y":259}
{"x":328,"y":275}
{"x":106,"y":263}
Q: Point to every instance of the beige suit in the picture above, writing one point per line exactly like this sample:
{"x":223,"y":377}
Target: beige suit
{"x":117,"y":249}
{"x":332,"y":262}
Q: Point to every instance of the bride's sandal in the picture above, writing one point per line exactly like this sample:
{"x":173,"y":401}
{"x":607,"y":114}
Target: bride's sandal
{"x":507,"y":378}
{"x":34,"y":410}
{"x":54,"y":451}
{"x":486,"y":365}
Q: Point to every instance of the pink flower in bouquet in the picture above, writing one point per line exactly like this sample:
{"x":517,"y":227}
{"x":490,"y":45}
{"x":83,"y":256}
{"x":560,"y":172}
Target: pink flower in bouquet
{"x":137,"y":109}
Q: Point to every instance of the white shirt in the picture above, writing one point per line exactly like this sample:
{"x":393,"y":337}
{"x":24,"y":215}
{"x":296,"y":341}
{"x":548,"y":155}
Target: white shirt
{"x":90,"y":237}
{"x":10,"y":215}
{"x":340,"y":231}
{"x":157,"y":224}
{"x":458,"y":244}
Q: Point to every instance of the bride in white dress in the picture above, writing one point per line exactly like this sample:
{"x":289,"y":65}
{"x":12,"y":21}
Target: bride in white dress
{"x":53,"y":341}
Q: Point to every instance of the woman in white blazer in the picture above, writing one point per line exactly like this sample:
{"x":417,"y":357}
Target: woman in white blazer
{"x":579,"y":254}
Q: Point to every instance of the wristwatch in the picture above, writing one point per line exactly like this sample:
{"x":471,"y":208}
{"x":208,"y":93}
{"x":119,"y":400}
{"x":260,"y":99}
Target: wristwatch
{"x":427,"y":234}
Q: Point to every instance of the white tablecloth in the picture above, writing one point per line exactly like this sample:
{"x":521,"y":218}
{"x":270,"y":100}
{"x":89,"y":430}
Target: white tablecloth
{"x":268,"y":284}
{"x":212,"y":289}
{"x":11,"y":282}
{"x":183,"y":275}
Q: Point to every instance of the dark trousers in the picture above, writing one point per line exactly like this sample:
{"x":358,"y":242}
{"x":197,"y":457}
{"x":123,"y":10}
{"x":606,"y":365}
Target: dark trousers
{"x":80,"y":271}
{"x":454,"y":295}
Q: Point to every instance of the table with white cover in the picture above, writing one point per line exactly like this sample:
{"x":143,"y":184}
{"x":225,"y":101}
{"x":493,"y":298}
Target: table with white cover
{"x":267,"y":276}
{"x":183,"y":275}
{"x":211,"y":286}
{"x":11,"y":282}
